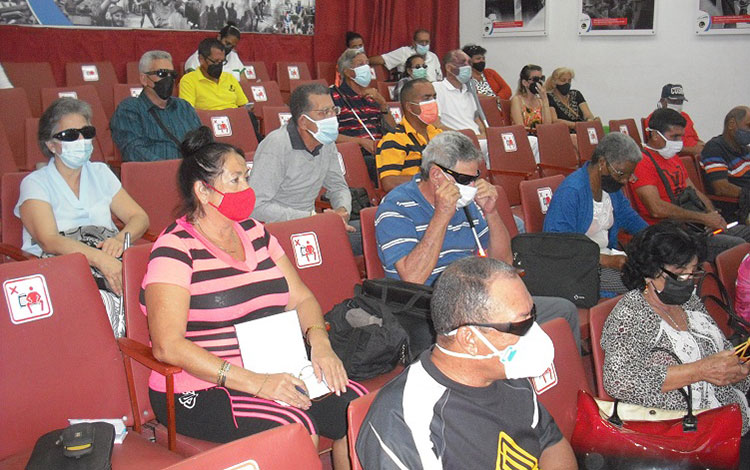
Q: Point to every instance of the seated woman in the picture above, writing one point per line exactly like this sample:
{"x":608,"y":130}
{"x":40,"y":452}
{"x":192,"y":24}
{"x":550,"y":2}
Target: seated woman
{"x":591,"y":201}
{"x":67,"y":206}
{"x":488,"y":81}
{"x":210,"y":270}
{"x":414,"y":67}
{"x":530,"y":105}
{"x":662,"y":311}
{"x":568,"y":105}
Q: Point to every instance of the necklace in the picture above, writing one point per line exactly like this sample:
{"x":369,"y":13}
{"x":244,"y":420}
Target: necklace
{"x":664,"y":311}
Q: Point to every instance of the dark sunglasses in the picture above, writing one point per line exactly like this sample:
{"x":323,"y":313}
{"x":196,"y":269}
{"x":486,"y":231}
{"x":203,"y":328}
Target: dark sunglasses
{"x":538,"y":79}
{"x":459,"y":177}
{"x":518,"y":328}
{"x":69,"y":135}
{"x":163,"y":73}
{"x":697,"y":274}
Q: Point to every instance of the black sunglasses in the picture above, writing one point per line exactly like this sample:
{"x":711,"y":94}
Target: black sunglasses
{"x":69,"y":135}
{"x":163,"y":73}
{"x":518,"y":328}
{"x":538,"y":79}
{"x":697,"y":274}
{"x":459,"y":177}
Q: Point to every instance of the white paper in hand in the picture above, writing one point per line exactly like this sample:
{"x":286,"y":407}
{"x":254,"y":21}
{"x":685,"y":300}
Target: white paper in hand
{"x":273,"y":345}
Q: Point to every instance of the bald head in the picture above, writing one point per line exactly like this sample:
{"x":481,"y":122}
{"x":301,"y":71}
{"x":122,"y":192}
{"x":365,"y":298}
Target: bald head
{"x":456,"y":57}
{"x":737,"y":114}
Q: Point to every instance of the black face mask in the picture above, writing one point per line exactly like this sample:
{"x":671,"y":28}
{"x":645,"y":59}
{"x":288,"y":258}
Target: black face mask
{"x":228,"y":49}
{"x":564,"y":89}
{"x":676,"y":292}
{"x":479,"y":66}
{"x":610,"y":184}
{"x":214,"y":70}
{"x":164,"y":87}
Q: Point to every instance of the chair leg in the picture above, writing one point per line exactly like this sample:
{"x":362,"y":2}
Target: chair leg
{"x":171,"y":421}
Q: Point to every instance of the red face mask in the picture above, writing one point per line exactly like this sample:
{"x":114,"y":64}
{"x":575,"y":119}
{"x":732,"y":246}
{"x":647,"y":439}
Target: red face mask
{"x":235,"y":206}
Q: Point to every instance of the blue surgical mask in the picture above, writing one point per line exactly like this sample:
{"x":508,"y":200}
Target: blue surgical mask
{"x":328,"y":129}
{"x":422,"y":49}
{"x":75,"y":154}
{"x":363,"y":75}
{"x":464,"y":74}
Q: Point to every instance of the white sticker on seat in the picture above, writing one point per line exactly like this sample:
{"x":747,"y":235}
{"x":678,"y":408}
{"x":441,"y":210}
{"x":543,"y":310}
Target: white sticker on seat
{"x":27,"y":298}
{"x":306,"y":250}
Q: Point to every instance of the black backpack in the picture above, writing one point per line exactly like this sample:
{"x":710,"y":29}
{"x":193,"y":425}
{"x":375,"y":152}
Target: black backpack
{"x":559,"y":265}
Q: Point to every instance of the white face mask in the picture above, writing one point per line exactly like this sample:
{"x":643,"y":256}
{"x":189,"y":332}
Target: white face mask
{"x":467,"y":195}
{"x":676,"y":107}
{"x":529,"y":357}
{"x":672,"y":148}
{"x":75,"y":154}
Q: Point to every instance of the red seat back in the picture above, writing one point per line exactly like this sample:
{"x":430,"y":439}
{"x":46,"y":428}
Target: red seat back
{"x":506,"y":214}
{"x":326,"y":71}
{"x":626,"y":126}
{"x":511,"y":159}
{"x":692,"y":171}
{"x":262,"y":94}
{"x":331,"y":259}
{"x":505,"y":108}
{"x":100,"y":118}
{"x":153,"y":185}
{"x":121,"y":91}
{"x":709,"y":289}
{"x":471,"y":135}
{"x":588,"y":135}
{"x":387,"y":89}
{"x":728,"y":263}
{"x":132,"y":74}
{"x":355,"y":415}
{"x":494,"y":116}
{"x":558,"y":387}
{"x":535,"y":197}
{"x":557,"y":155}
{"x":7,"y":162}
{"x":260,"y":69}
{"x":356,"y":171}
{"x":287,"y":72}
{"x":295,"y":83}
{"x":32,"y":77}
{"x":275,"y":117}
{"x":230,"y":126}
{"x":373,"y":266}
{"x":76,"y":364}
{"x":597,"y":317}
{"x":286,"y":447}
{"x":15,"y":99}
{"x":12,"y":228}
{"x":75,"y":75}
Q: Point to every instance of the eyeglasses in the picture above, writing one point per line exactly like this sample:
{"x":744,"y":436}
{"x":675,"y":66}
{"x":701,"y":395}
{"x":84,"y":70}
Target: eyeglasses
{"x":618,"y":174}
{"x":214,"y":62}
{"x":327,"y":112}
{"x":163,"y":73}
{"x":423,"y":66}
{"x":698,"y":274}
{"x":459,"y":177}
{"x":518,"y":328}
{"x":69,"y":135}
{"x":538,"y":79}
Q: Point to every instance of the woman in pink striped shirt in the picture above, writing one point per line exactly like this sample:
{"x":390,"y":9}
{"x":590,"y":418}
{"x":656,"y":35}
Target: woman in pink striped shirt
{"x":211,"y":269}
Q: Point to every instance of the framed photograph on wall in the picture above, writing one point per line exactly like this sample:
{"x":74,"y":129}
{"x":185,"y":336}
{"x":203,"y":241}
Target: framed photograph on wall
{"x":504,"y":18}
{"x":722,"y":17}
{"x":616,"y":17}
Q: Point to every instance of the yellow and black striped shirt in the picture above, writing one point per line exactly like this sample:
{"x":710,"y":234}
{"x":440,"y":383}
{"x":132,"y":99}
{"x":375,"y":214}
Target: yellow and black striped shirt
{"x":400,"y":153}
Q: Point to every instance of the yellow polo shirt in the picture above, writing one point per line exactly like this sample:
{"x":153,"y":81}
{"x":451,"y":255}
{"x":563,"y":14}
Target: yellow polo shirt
{"x":204,"y":93}
{"x":400,"y":153}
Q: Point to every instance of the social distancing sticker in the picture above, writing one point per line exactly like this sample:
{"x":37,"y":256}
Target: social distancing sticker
{"x":27,"y":298}
{"x":509,"y":142}
{"x":259,"y":93}
{"x":306,"y":250}
{"x":221,"y":125}
{"x":284,"y":118}
{"x":68,"y":94}
{"x":545,"y":196}
{"x":293,"y":72}
{"x":90,"y":73}
{"x":593,"y":138}
{"x":545,"y":381}
{"x":135,"y":91}
{"x":396,"y":113}
{"x":246,"y":465}
{"x":250,"y":72}
{"x":624,"y":129}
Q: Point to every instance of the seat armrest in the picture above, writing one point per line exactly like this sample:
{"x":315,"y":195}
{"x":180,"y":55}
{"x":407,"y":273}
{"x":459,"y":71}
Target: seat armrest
{"x":564,"y":169}
{"x":524,"y":174}
{"x":16,"y":254}
{"x":143,"y":354}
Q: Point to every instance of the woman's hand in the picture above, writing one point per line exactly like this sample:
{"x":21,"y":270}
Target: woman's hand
{"x":111,"y":246}
{"x":286,"y":388}
{"x":723,"y":368}
{"x":327,"y":364}
{"x":111,"y":268}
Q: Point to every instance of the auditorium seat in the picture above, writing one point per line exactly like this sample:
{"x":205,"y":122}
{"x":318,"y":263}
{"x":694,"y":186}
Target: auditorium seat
{"x":12,"y":228}
{"x":230,"y":126}
{"x":120,"y":91}
{"x":710,"y":292}
{"x":355,"y":416}
{"x":627,"y":127}
{"x":382,"y":74}
{"x":262,"y":94}
{"x":14,"y":122}
{"x":535,"y":198}
{"x":355,"y":170}
{"x":506,"y":214}
{"x":132,"y":74}
{"x":326,"y":71}
{"x":695,"y":174}
{"x":557,"y":155}
{"x":505,"y":108}
{"x":494,"y":116}
{"x":287,"y":72}
{"x":295,"y":83}
{"x":588,"y":135}
{"x":511,"y":159}
{"x":387,"y":89}
{"x":7,"y":161}
{"x":259,"y":69}
{"x":77,"y":372}
{"x":373,"y":266}
{"x":728,"y":264}
{"x":32,"y":77}
{"x":34,"y":155}
{"x":100,"y":118}
{"x":597,"y":317}
{"x":102,"y":76}
{"x":275,"y":117}
{"x":471,"y":135}
{"x":153,"y":185}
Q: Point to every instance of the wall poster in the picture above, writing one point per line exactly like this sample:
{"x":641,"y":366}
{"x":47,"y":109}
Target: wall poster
{"x":616,"y":17}
{"x":514,"y":18}
{"x":722,"y":17}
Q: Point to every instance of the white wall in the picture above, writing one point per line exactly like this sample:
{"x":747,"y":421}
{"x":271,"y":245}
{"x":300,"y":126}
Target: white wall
{"x":622,"y":76}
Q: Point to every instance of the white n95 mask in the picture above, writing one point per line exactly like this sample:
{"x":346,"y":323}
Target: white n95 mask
{"x":467,"y":195}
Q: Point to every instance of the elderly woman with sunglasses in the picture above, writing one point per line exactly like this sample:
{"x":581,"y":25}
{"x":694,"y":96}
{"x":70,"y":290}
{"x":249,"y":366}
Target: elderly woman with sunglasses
{"x":659,"y":338}
{"x":68,"y":205}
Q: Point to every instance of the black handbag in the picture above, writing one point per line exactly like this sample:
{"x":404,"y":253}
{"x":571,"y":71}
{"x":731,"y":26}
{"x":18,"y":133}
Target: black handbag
{"x":559,"y":265}
{"x":83,"y":446}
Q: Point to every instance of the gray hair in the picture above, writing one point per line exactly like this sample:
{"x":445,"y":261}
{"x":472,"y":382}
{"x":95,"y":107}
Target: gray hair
{"x":617,"y":147}
{"x":299,"y":101}
{"x":446,"y":149}
{"x":145,"y":63}
{"x":52,"y":115}
{"x":461,"y":293}
{"x":345,"y":60}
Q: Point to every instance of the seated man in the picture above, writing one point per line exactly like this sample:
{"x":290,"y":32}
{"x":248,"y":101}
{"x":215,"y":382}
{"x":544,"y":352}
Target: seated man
{"x":209,"y":87}
{"x":152,"y":126}
{"x":400,"y":153}
{"x":295,"y":161}
{"x":364,"y":112}
{"x":673,"y":97}
{"x":726,"y":157}
{"x":420,"y":45}
{"x":433,"y":220}
{"x":467,"y":403}
{"x":457,"y":103}
{"x":661,"y":179}
{"x":591,"y":201}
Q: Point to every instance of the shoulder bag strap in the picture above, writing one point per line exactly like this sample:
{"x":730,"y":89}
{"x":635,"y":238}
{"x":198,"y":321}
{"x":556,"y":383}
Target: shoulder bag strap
{"x":664,"y":181}
{"x":152,"y":112}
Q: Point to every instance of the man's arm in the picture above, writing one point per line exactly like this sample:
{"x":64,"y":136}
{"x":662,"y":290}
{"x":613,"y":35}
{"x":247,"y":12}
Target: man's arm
{"x":499,"y":238}
{"x":724,"y":188}
{"x":660,"y":209}
{"x":558,"y":456}
{"x":377,"y":60}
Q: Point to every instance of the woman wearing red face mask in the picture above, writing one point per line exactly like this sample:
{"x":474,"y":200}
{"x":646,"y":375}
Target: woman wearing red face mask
{"x":212,"y":269}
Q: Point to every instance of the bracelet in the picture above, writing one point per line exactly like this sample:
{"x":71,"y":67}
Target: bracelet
{"x":315,"y":327}
{"x":261,"y":385}
{"x":221,"y":379}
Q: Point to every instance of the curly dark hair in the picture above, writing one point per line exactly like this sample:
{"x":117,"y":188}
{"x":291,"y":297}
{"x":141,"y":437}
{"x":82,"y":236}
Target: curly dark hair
{"x":654,"y":247}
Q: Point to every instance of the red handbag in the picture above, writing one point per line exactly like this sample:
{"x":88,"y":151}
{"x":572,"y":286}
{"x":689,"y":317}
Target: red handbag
{"x":710,"y":439}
